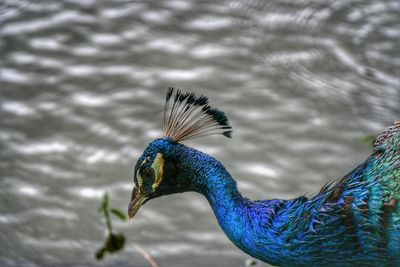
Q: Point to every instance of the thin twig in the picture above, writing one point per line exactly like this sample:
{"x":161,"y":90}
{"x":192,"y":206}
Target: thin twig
{"x":146,"y":255}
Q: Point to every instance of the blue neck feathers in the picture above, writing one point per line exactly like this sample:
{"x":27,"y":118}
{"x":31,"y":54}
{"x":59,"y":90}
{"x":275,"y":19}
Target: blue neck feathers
{"x":210,"y":178}
{"x":243,"y":221}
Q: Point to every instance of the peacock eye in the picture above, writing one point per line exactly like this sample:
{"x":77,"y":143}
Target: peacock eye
{"x":147,"y":173}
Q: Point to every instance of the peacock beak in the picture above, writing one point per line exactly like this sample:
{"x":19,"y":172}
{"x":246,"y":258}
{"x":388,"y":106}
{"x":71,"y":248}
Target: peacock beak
{"x":138,"y":198}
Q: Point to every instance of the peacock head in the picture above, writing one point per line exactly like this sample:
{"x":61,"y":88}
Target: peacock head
{"x":158,"y":171}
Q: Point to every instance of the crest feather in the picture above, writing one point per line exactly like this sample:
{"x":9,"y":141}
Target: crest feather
{"x":191,"y":117}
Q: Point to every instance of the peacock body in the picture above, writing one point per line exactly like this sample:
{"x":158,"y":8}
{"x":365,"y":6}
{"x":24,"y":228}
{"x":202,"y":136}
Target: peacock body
{"x":353,"y":221}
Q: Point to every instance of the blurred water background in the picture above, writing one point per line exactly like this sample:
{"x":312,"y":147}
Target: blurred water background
{"x":82,"y":91}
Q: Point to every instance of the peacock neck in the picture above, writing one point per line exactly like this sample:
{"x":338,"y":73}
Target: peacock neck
{"x":230,"y":208}
{"x":210,"y":178}
{"x":241,"y":219}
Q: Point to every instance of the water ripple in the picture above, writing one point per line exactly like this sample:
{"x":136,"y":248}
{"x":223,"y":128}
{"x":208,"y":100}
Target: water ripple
{"x":210,"y":23}
{"x":44,"y":147}
{"x":46,"y":23}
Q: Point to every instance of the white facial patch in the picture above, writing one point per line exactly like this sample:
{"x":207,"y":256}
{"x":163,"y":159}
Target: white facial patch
{"x":139,"y":179}
{"x":158,"y":167}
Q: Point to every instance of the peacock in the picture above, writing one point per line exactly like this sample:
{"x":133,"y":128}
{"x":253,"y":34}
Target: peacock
{"x":352,"y":221}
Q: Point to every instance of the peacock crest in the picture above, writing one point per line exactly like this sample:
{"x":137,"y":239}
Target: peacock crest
{"x":189,"y":116}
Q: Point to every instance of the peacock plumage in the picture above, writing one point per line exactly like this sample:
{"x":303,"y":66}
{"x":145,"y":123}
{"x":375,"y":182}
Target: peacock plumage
{"x":352,"y":221}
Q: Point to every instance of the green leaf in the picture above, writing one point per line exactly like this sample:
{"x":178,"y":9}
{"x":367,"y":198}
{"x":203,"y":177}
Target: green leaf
{"x":100,"y":253}
{"x":370,"y":138}
{"x":119,"y":213}
{"x":106,"y":199}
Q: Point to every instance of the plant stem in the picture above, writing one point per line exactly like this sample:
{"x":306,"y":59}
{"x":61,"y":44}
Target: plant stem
{"x":108,"y":220}
{"x":146,"y":255}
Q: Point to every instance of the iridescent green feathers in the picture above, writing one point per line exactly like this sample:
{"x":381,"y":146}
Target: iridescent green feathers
{"x":190,"y":117}
{"x":353,"y":221}
{"x":387,"y":134}
{"x":387,"y":155}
